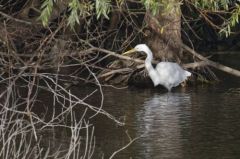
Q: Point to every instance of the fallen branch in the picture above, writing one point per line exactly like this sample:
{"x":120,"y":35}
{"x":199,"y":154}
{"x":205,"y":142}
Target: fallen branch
{"x":212,"y":63}
{"x":188,"y":65}
{"x":194,"y":64}
{"x":224,"y":52}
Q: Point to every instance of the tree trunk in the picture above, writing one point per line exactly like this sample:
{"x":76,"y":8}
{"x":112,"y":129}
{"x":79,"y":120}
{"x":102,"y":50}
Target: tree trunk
{"x":164,"y":36}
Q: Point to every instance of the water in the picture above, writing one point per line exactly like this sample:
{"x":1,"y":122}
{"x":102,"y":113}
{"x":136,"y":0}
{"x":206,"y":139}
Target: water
{"x":201,"y":122}
{"x":196,"y":122}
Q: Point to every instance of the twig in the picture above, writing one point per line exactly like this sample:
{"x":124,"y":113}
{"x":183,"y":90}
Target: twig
{"x":124,"y":147}
{"x":101,"y":91}
{"x":15,"y":19}
{"x":122,"y":70}
{"x":117,"y":55}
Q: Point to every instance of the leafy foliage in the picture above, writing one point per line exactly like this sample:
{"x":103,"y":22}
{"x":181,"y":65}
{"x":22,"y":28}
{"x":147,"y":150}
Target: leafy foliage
{"x":103,"y":8}
{"x":46,"y":8}
{"x":74,"y":16}
{"x":155,"y":5}
{"x":213,"y":5}
{"x":152,"y":5}
{"x":80,"y":9}
{"x":228,"y":7}
{"x":231,"y":22}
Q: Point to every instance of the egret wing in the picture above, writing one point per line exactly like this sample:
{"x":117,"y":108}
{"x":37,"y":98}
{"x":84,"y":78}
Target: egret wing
{"x":171,"y":74}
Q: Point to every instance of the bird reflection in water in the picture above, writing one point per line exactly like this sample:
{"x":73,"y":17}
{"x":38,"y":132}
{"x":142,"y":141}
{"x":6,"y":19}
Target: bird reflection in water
{"x":162,"y":125}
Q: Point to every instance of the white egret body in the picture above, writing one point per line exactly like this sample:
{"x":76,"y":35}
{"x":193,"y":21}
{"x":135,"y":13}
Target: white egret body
{"x":168,"y":74}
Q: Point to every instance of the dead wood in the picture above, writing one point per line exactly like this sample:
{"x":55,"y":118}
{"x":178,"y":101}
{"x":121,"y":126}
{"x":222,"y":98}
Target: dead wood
{"x":212,"y":63}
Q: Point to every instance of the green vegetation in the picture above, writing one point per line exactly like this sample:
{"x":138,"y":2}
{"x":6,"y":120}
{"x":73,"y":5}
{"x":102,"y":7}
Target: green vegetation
{"x":228,"y":10}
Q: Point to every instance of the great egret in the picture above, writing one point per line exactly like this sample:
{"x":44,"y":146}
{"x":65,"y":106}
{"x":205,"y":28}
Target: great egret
{"x":168,"y":74}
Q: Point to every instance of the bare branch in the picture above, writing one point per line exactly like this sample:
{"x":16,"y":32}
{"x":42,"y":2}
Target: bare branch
{"x":212,"y":63}
{"x":15,"y":19}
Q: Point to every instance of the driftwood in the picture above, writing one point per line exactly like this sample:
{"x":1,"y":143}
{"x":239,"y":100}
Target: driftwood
{"x":212,"y":63}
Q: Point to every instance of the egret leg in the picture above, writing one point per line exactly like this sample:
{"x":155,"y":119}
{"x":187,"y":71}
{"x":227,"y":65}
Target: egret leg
{"x":168,"y":95}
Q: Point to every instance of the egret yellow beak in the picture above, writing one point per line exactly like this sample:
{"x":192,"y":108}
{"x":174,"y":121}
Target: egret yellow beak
{"x":129,"y":51}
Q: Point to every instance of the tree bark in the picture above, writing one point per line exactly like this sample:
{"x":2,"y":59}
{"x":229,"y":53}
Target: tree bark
{"x":164,"y":36}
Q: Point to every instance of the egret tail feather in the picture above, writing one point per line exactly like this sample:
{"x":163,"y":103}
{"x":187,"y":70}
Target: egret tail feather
{"x":188,"y":74}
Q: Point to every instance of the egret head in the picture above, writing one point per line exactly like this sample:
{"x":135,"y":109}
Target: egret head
{"x":138,"y":48}
{"x":141,"y":47}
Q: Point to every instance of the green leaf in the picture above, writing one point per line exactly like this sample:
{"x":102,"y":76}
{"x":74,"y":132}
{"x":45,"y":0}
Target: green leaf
{"x":46,"y":7}
{"x":103,"y":8}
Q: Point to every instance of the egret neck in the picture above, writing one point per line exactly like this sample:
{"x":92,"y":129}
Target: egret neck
{"x":153,"y":74}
